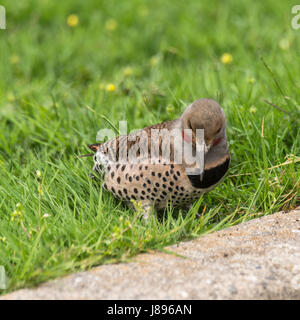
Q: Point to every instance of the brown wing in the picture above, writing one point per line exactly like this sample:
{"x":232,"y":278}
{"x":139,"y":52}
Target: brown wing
{"x":113,"y":148}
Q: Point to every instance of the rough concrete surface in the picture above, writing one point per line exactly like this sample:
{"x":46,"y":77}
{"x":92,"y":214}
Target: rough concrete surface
{"x":259,"y":259}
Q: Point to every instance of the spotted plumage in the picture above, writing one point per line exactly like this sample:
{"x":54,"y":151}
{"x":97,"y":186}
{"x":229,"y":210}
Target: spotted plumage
{"x":167,"y":181}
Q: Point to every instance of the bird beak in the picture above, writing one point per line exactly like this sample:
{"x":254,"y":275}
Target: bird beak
{"x":201,"y":151}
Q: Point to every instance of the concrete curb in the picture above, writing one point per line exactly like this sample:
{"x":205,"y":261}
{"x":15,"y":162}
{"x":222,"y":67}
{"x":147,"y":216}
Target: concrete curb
{"x":259,"y":259}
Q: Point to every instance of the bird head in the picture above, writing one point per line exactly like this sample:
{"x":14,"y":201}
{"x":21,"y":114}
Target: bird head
{"x":205,"y":114}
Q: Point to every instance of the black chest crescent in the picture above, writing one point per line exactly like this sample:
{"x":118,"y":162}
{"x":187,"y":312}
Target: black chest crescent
{"x":210,"y":176}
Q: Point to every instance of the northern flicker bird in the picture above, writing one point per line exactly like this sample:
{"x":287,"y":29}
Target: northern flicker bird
{"x":164,"y":180}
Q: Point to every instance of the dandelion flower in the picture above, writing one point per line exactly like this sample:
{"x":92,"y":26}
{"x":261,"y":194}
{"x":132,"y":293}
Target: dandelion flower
{"x":111,"y":24}
{"x":17,"y":214}
{"x":253,"y":109}
{"x":170,"y":109}
{"x":3,"y":239}
{"x":14,"y":59}
{"x":251,"y":80}
{"x":284,"y":44}
{"x":110,"y":87}
{"x":72,"y":20}
{"x":127,"y":71}
{"x":38,"y":173}
{"x":226,"y":58}
{"x":40,"y":190}
{"x":154,"y":60}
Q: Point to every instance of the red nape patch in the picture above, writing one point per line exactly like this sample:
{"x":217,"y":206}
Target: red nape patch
{"x":217,"y":142}
{"x":186,"y":137}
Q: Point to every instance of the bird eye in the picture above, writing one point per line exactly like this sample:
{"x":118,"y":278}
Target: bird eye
{"x":218,"y":131}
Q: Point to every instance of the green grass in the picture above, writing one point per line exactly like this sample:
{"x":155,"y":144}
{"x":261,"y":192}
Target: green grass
{"x":51,"y":78}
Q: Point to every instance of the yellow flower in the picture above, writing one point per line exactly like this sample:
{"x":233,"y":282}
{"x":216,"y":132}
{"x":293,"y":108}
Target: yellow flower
{"x":17,"y":214}
{"x":251,"y":80}
{"x":226,"y":58}
{"x":110,"y":87}
{"x":154,"y":60}
{"x":3,"y":239}
{"x":40,"y":190}
{"x":111,"y":24}
{"x":14,"y":59}
{"x":253,"y":109}
{"x":284,"y":44}
{"x":38,"y":173}
{"x":127,"y":71}
{"x":170,"y":109}
{"x":72,"y":20}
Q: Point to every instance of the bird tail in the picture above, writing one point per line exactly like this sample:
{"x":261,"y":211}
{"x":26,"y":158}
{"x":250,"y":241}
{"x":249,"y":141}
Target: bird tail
{"x":93,"y":147}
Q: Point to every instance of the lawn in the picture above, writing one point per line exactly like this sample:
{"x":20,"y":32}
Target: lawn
{"x":69,"y":68}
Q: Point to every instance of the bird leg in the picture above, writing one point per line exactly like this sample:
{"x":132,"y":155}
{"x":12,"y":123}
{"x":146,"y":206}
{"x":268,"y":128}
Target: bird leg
{"x":148,"y":211}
